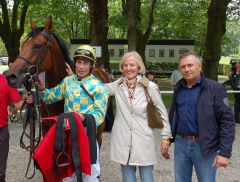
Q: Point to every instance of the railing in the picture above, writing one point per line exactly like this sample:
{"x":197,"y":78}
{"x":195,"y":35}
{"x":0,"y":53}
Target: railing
{"x":171,"y":92}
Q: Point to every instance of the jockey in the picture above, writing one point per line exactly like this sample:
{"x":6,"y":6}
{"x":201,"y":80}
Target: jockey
{"x":82,"y":93}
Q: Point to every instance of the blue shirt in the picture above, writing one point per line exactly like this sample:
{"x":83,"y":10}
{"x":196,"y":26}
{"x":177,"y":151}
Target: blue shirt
{"x":187,"y":100}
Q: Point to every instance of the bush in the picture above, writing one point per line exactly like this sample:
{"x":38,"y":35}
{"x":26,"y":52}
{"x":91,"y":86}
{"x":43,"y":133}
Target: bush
{"x":223,"y":69}
{"x":166,"y":66}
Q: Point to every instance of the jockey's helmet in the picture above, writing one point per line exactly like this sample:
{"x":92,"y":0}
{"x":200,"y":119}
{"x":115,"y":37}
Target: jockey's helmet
{"x":85,"y":52}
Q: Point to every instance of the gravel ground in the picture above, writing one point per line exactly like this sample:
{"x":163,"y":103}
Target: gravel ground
{"x":18,"y":158}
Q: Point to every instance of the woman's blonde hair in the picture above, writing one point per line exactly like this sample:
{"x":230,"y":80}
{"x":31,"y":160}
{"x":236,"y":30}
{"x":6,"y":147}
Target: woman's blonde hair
{"x":138,"y":60}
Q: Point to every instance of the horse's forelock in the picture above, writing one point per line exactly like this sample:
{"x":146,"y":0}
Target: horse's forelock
{"x":35,"y":31}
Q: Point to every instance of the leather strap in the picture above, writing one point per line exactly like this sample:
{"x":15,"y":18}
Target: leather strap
{"x":59,"y":143}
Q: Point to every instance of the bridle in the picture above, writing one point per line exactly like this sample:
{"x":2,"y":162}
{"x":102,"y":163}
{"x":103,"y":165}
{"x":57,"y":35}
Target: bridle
{"x":33,"y":68}
{"x":32,"y":113}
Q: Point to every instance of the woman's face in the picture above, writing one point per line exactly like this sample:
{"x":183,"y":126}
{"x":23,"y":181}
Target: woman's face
{"x":130,"y":68}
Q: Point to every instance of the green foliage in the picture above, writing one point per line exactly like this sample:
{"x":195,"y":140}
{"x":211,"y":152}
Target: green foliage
{"x":231,"y":41}
{"x":70,"y":18}
{"x":181,"y":19}
{"x":224,"y":69}
{"x":116,"y":21}
{"x":166,"y":66}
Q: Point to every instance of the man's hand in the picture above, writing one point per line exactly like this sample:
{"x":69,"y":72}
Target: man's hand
{"x":220,"y":161}
{"x":165,"y":144}
{"x":29,"y":99}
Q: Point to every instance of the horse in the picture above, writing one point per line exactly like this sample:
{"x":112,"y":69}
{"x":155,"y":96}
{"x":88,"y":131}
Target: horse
{"x":44,"y":51}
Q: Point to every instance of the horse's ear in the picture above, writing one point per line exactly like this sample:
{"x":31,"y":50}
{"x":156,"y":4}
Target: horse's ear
{"x":48,"y":25}
{"x":32,"y":23}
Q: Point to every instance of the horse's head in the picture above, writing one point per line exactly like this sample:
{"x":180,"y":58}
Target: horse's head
{"x":34,"y":56}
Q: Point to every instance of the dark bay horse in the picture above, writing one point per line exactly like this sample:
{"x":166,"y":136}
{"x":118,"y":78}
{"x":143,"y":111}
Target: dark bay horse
{"x":44,"y":51}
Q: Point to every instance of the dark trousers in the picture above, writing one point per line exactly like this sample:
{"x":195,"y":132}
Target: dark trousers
{"x":109,"y":119}
{"x":236,"y":107}
{"x":4,"y":148}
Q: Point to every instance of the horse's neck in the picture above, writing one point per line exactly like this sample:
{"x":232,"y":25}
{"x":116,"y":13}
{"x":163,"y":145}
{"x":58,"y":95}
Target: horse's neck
{"x":58,"y":69}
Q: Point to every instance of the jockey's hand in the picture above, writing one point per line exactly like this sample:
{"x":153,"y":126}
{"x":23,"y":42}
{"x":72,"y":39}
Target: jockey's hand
{"x":69,"y":70}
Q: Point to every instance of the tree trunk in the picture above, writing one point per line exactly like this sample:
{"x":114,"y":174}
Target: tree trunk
{"x":11,"y":33}
{"x":215,"y":30}
{"x":137,"y":40}
{"x":99,"y":28}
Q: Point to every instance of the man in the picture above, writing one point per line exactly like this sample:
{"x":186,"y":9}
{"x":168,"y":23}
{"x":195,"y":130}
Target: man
{"x":7,"y":95}
{"x":82,"y":93}
{"x":150,"y":75}
{"x":202,"y":123}
{"x":175,"y":77}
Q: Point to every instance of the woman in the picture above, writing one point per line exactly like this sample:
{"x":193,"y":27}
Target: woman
{"x":132,"y":141}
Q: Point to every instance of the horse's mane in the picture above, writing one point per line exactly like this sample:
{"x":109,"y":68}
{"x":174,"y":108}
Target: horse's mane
{"x":59,"y":40}
{"x":64,"y":49}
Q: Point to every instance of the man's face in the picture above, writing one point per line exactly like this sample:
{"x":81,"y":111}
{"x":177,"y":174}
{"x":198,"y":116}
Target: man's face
{"x":82,"y":67}
{"x":190,"y":69}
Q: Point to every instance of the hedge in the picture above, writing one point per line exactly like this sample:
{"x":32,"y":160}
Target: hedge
{"x":223,"y":69}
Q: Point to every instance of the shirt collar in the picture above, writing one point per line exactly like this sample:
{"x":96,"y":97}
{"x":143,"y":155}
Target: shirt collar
{"x":198,"y":82}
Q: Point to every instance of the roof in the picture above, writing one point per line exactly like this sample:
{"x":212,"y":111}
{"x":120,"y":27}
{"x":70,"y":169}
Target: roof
{"x":150,"y":42}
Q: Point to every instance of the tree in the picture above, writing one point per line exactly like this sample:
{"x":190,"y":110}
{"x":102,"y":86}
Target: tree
{"x":137,"y":40}
{"x":98,"y":11}
{"x":70,"y":18}
{"x":215,"y":31}
{"x":12,"y":26}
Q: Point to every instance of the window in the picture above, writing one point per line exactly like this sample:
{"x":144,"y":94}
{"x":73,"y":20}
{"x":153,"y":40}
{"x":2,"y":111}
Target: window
{"x":120,"y":52}
{"x":171,"y":53}
{"x":161,"y":52}
{"x":111,"y":52}
{"x":182,"y":50}
{"x":151,"y":53}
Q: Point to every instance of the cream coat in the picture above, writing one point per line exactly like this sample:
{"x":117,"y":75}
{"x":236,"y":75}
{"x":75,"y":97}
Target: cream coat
{"x":131,"y":138}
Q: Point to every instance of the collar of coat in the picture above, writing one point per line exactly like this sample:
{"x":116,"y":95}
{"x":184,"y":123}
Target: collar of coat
{"x":144,"y":81}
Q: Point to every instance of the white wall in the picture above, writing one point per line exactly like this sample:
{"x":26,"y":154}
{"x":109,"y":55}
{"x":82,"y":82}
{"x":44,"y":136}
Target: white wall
{"x":156,"y":48}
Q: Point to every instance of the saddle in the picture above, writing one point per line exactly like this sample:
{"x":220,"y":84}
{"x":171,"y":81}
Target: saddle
{"x":64,"y":150}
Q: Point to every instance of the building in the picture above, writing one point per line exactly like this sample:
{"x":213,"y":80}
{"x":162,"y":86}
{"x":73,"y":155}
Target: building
{"x":156,"y":50}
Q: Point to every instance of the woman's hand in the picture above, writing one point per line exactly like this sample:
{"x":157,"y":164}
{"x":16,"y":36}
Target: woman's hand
{"x":165,"y":144}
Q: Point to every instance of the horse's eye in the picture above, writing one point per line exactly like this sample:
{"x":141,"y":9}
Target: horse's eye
{"x":36,"y":46}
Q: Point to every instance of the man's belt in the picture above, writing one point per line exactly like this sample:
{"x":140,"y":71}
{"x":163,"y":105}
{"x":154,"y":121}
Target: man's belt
{"x":189,"y":137}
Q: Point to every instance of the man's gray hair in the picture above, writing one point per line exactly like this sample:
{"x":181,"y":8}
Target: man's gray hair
{"x":186,"y":54}
{"x":138,"y":60}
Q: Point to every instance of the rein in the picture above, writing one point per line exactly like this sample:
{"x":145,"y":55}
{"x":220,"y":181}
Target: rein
{"x":32,"y":112}
{"x":31,"y":117}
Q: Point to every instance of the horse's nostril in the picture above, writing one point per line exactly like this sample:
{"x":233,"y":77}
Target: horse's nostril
{"x":12,"y":80}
